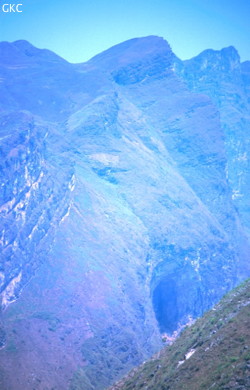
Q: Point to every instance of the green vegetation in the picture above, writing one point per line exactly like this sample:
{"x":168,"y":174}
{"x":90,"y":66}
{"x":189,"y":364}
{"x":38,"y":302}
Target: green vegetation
{"x":52,"y":320}
{"x":2,"y":338}
{"x":11,"y":346}
{"x":80,"y":381}
{"x":221,"y":358}
{"x":101,"y":355}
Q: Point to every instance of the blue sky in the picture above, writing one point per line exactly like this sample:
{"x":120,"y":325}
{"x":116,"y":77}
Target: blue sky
{"x":80,"y":29}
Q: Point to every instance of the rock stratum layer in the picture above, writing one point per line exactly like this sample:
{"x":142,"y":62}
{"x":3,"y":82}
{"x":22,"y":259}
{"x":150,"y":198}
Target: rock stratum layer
{"x":124,"y":205}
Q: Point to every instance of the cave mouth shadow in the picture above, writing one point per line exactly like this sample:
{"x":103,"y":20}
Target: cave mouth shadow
{"x":165,"y":305}
{"x":177,"y":298}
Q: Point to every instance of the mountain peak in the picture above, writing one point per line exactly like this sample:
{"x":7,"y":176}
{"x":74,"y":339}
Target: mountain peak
{"x":123,"y":210}
{"x":23,"y":44}
{"x":125,"y":60}
{"x":30,"y":51}
{"x":22,"y":52}
{"x":224,"y":60}
{"x":226,"y":52}
{"x":131,"y":51}
{"x":10,"y":55}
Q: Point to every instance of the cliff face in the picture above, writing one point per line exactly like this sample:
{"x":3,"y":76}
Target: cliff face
{"x":118,"y":216}
{"x":34,"y":198}
{"x":221,"y":76}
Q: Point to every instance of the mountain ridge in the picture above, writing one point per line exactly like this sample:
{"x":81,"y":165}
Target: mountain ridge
{"x":121,"y":188}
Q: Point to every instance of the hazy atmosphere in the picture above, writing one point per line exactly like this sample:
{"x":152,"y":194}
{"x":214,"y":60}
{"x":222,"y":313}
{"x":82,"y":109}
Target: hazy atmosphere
{"x":77,"y":31}
{"x":125,"y":195}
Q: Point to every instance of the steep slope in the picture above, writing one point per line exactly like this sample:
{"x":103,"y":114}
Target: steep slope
{"x":117,"y":216}
{"x":221,"y":76}
{"x":32,"y":201}
{"x":213,"y":353}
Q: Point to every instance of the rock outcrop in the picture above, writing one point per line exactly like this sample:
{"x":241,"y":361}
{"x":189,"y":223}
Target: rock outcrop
{"x":123,"y":215}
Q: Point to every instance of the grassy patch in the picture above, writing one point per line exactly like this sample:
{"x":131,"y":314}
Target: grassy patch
{"x":221,"y":340}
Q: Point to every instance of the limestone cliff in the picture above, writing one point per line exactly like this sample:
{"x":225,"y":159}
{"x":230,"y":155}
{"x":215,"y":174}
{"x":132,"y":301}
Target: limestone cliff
{"x":119,"y":211}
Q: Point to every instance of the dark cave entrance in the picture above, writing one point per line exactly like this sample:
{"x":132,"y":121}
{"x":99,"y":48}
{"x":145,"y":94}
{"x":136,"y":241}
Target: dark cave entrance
{"x":165,"y":305}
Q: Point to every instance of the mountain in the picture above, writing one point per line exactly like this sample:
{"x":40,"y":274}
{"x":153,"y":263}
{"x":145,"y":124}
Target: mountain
{"x":212,"y":353}
{"x":221,"y":76}
{"x":120,"y":219}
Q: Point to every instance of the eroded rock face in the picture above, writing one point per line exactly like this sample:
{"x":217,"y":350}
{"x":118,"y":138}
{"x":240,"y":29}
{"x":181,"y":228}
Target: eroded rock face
{"x":117,"y":217}
{"x":221,"y":76}
{"x":33,"y":201}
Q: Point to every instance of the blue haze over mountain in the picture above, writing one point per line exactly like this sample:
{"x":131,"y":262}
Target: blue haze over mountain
{"x":124,"y":205}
